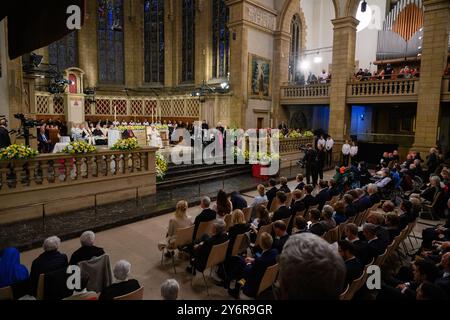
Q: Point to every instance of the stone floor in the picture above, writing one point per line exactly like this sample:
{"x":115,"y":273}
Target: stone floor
{"x":137,"y":243}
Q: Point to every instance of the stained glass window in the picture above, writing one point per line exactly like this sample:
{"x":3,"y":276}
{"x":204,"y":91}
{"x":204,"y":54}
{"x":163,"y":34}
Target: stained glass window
{"x":221,"y":39}
{"x":110,"y":41}
{"x":154,"y":41}
{"x":64,"y":52}
{"x":294,"y":59}
{"x":188,"y":51}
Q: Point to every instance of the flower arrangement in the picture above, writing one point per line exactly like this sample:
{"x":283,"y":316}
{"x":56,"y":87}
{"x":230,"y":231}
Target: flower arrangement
{"x":17,"y":152}
{"x":161,"y":166}
{"x":79,"y":147}
{"x":126,"y":144}
{"x":256,"y":158}
{"x":162,"y":127}
{"x":308,"y":134}
{"x":123,"y":128}
{"x":294,"y":134}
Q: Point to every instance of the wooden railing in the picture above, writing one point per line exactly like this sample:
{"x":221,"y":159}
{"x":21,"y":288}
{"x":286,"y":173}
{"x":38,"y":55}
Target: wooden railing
{"x":55,"y":170}
{"x":307,"y":91}
{"x":403,"y":87}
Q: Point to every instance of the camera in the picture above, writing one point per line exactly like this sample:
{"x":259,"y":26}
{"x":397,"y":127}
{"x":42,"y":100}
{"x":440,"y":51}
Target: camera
{"x":26,"y":123}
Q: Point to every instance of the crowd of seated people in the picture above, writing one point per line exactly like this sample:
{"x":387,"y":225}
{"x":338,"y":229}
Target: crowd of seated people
{"x":54,"y":264}
{"x":387,"y":73}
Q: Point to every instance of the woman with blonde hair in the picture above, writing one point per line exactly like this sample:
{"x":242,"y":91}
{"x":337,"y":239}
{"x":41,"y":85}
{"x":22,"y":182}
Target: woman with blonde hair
{"x":181,"y":221}
{"x":238,"y":226}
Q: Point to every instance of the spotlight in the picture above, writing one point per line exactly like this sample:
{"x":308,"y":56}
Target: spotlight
{"x":304,"y":65}
{"x":364,"y":6}
{"x":225,"y":85}
{"x":318,"y":60}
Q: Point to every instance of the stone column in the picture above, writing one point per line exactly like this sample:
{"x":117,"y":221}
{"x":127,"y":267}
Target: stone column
{"x":344,"y":41}
{"x":203,"y":22}
{"x":169,"y":47}
{"x":87,"y":45}
{"x":280,"y":76}
{"x":238,"y":64}
{"x":434,"y":61}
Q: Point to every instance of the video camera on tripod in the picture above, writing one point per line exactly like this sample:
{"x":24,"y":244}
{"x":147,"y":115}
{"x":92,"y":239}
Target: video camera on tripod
{"x":25,"y":126}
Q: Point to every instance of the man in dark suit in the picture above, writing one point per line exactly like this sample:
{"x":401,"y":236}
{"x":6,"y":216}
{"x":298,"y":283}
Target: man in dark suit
{"x":351,"y":235}
{"x":284,"y":185}
{"x":202,"y":250}
{"x":364,"y":201}
{"x":374,"y":195}
{"x":296,"y":207}
{"x":44,"y":143}
{"x":333,"y":189}
{"x":252,"y":270}
{"x":301,"y":184}
{"x":5,"y":140}
{"x":354,"y":267}
{"x":87,"y":250}
{"x":375,"y":246}
{"x":309,"y":199}
{"x":407,"y":216}
{"x":350,"y":210}
{"x":272,"y":193}
{"x":124,"y":286}
{"x":310,"y":162}
{"x":316,"y":227}
{"x":283,"y":211}
{"x":281,"y":235}
{"x":206,"y":215}
{"x":238,"y":201}
{"x":323,"y":196}
{"x":49,"y":261}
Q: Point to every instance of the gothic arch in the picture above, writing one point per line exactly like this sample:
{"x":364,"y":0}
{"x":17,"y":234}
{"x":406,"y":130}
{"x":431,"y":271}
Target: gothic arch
{"x":289,"y":10}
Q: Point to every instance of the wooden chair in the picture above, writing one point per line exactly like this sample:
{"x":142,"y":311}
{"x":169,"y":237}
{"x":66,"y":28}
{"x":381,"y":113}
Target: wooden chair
{"x":430,"y":208}
{"x":356,"y":285}
{"x":247,"y":214}
{"x":380,"y":259}
{"x":287,"y":221}
{"x":374,"y":207}
{"x":203,"y":228}
{"x":40,"y":287}
{"x":345,"y":293}
{"x":265,"y":204}
{"x":266,"y":228}
{"x":333,"y":235}
{"x":275,"y":205}
{"x":300,"y":214}
{"x":351,"y":219}
{"x":269,"y":278}
{"x":182,"y":239}
{"x":216,"y":256}
{"x":238,"y":244}
{"x":6,"y":293}
{"x":341,"y":230}
{"x":135,"y":295}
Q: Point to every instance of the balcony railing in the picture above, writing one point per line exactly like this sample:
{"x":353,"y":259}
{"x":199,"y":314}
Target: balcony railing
{"x":402,"y":87}
{"x":290,"y":145}
{"x":316,"y":90}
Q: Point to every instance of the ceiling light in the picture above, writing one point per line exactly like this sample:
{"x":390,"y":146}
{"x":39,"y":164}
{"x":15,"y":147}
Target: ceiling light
{"x":318,"y":60}
{"x":304,"y":65}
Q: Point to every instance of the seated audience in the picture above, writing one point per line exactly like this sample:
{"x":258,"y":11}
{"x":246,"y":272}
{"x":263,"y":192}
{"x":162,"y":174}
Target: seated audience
{"x":324,"y":195}
{"x":260,"y":198}
{"x":284,"y":185}
{"x":434,"y":187}
{"x":388,"y":207}
{"x":281,"y":235}
{"x":393,"y":226}
{"x":206,"y":215}
{"x":353,"y":265}
{"x":328,"y":222}
{"x":309,"y":199}
{"x":202,"y":250}
{"x":375,"y":246}
{"x":385,"y":179}
{"x":49,"y":261}
{"x":407,"y":215}
{"x":238,"y":201}
{"x":339,"y":213}
{"x":350,"y":209}
{"x":223,"y":206}
{"x":377,"y":219}
{"x":248,"y":272}
{"x":238,"y":226}
{"x":11,"y":271}
{"x":170,"y":289}
{"x":272,"y":193}
{"x":430,"y":291}
{"x":300,"y":225}
{"x":87,"y":250}
{"x":301,"y":185}
{"x":180,"y":221}
{"x":316,"y":227}
{"x":283,"y":211}
{"x":351,"y":235}
{"x":124,"y":285}
{"x":310,"y":269}
{"x":333,"y":190}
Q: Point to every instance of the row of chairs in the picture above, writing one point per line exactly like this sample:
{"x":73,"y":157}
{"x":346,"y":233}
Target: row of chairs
{"x":357,"y":284}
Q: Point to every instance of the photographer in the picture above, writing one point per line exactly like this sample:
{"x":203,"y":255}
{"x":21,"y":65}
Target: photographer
{"x":5,"y":140}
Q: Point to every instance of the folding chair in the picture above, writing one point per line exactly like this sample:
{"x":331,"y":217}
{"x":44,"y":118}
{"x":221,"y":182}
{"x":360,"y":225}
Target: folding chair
{"x":133,"y":296}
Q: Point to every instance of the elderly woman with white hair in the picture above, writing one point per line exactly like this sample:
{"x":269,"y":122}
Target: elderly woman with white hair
{"x":50,"y":260}
{"x":170,"y":289}
{"x":433,"y":188}
{"x":87,"y":250}
{"x":123,"y":284}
